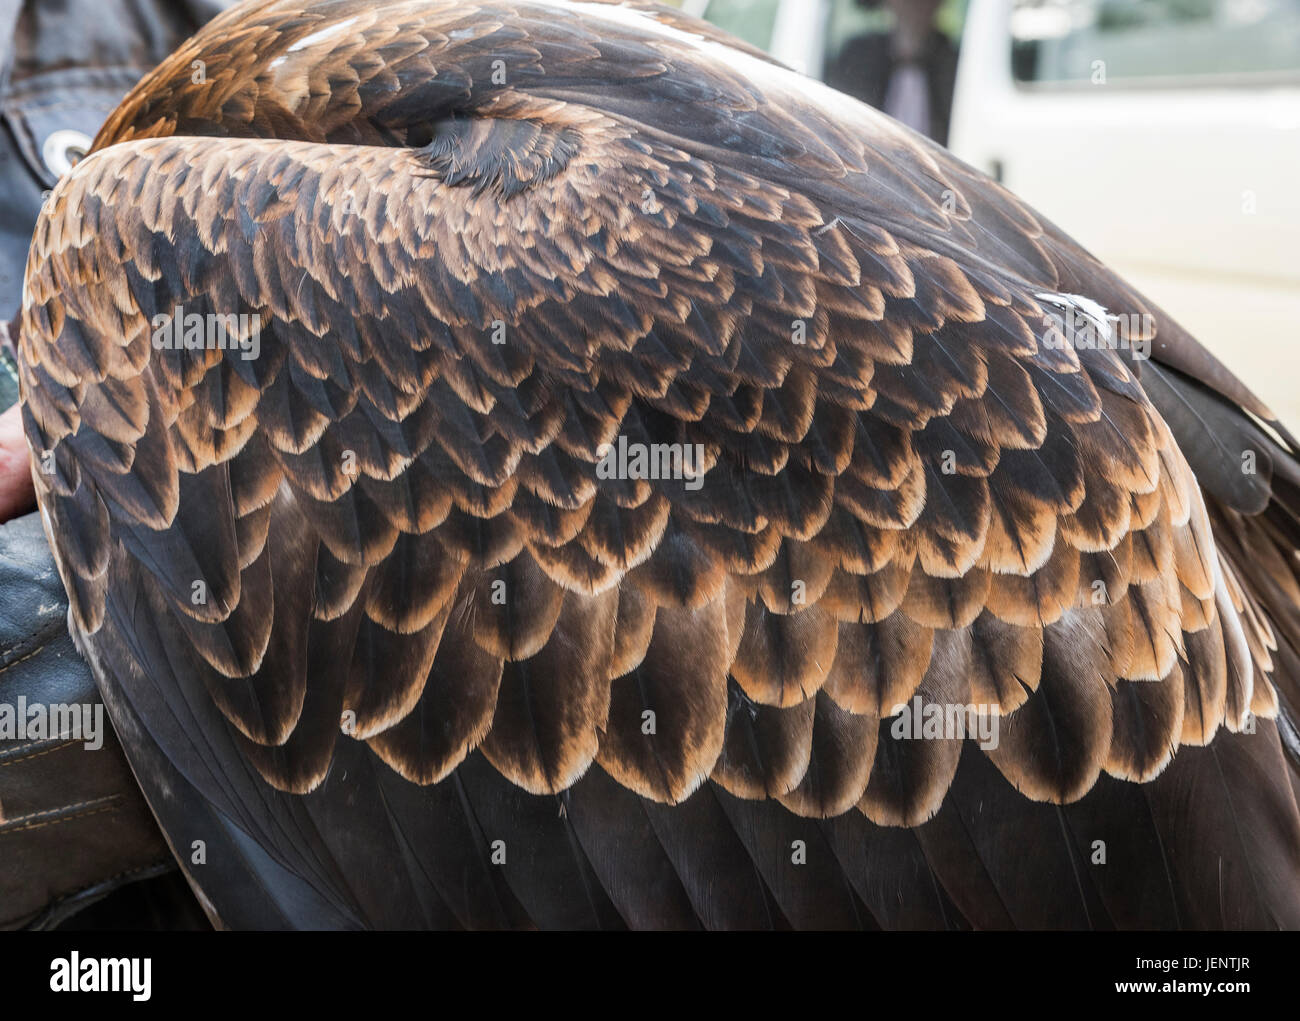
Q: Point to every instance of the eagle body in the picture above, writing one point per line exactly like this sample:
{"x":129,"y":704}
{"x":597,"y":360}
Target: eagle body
{"x":634,"y":485}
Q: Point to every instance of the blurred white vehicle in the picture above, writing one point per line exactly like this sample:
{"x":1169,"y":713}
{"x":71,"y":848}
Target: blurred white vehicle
{"x":1162,"y":134}
{"x":1165,"y":136}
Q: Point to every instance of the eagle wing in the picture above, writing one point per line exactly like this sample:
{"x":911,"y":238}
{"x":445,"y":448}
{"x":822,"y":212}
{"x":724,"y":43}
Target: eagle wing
{"x":375,"y":579}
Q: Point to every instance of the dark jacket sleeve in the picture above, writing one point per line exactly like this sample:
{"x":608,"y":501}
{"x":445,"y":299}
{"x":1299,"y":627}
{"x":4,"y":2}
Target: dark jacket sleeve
{"x":71,"y":819}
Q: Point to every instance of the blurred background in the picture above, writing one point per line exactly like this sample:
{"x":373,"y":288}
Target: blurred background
{"x":1164,"y":135}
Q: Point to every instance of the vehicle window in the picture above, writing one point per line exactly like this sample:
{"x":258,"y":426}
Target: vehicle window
{"x":1060,"y":41}
{"x":863,"y":57}
{"x":751,"y":20}
{"x":851,"y":18}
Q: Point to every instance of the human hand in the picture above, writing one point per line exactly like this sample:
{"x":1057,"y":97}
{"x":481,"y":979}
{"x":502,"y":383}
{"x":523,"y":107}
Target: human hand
{"x":17,"y":495}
